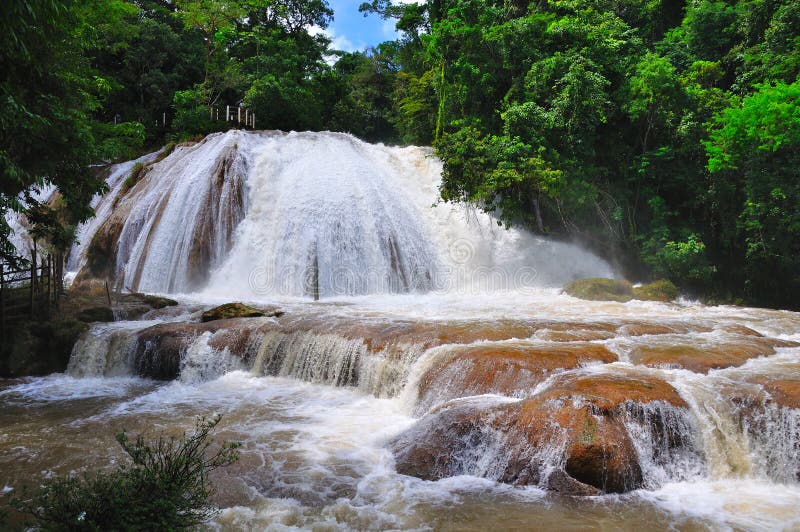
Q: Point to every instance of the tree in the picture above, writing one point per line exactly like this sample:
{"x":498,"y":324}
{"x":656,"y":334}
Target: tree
{"x":755,"y":149}
{"x":215,"y":19}
{"x":49,"y":93}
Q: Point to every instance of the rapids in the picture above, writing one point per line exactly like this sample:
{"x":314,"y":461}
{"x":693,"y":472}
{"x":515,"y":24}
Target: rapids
{"x":437,"y":334}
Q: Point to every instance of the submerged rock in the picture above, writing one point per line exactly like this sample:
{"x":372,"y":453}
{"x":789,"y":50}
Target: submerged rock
{"x":238,"y":310}
{"x":159,"y":349}
{"x":600,"y":289}
{"x":572,"y":437}
{"x":511,"y":370}
{"x":784,"y":392}
{"x":703,"y":358}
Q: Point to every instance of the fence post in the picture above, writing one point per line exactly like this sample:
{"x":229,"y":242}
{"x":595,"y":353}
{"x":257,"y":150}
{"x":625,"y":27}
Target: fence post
{"x":30,"y":291}
{"x":49,"y":279}
{"x":2,"y":300}
{"x":254,"y":120}
{"x":33,"y":267}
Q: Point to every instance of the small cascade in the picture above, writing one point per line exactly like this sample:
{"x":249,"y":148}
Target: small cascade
{"x":195,"y":353}
{"x":336,"y":361}
{"x":774,"y":434}
{"x":103,"y":351}
{"x":665,"y":440}
{"x":200,"y":362}
{"x":725,"y":444}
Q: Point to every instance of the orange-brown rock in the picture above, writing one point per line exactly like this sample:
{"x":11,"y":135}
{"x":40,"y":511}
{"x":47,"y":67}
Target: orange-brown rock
{"x":785,"y":392}
{"x":159,"y":348}
{"x":702,"y":359}
{"x":378,"y":335}
{"x":606,"y":391}
{"x":741,"y":329}
{"x":575,"y":335}
{"x":645,"y":328}
{"x":501,"y":368}
{"x":571,"y":437}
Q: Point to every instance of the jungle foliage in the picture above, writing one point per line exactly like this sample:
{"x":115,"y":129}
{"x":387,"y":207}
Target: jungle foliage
{"x":664,"y":134}
{"x":661,"y":133}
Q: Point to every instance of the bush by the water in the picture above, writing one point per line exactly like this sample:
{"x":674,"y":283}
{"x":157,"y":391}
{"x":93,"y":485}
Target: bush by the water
{"x":165,"y":488}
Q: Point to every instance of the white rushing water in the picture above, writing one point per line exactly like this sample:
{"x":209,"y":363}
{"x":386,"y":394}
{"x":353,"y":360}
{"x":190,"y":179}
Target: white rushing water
{"x":254,"y":214}
{"x":103,"y":205}
{"x":320,"y":396}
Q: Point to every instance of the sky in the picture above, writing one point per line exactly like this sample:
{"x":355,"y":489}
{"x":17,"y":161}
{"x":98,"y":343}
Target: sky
{"x":351,"y":31}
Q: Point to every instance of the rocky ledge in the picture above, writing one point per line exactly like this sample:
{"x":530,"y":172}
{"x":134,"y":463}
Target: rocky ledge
{"x":571,"y":438}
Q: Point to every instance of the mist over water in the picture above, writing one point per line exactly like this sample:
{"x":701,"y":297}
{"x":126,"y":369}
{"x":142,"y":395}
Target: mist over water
{"x":256,"y":214}
{"x":413,"y":293}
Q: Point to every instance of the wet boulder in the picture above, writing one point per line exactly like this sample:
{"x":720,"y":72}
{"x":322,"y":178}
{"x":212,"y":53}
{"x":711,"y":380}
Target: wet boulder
{"x":572,"y":437}
{"x":502,"y":368}
{"x":238,"y":310}
{"x":160,"y":348}
{"x":701,"y":358}
{"x":600,"y":289}
{"x":784,"y":392}
{"x":656,"y":291}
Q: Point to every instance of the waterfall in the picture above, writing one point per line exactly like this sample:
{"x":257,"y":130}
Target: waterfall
{"x":247,"y":214}
{"x":461,"y":331}
{"x":103,"y":205}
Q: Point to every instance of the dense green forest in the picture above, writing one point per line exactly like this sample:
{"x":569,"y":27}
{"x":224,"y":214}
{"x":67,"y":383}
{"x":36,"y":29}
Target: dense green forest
{"x":663,"y":134}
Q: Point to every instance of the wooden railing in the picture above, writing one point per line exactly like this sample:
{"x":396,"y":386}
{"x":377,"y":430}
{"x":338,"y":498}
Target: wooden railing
{"x":241,"y":115}
{"x":29,"y":292}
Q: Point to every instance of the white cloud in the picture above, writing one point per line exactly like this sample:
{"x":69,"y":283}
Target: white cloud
{"x":338,"y":42}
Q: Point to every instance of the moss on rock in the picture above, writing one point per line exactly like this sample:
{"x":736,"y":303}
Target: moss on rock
{"x":238,"y":310}
{"x":94,"y":314}
{"x":40,"y":348}
{"x":661,"y":290}
{"x":600,"y":289}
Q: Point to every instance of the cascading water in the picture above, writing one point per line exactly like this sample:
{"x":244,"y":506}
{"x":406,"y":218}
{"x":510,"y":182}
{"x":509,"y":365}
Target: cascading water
{"x":440,"y":348}
{"x":103,"y":205}
{"x":305,"y":214}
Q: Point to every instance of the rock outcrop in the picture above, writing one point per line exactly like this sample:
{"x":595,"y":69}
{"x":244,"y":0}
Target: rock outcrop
{"x":599,"y":289}
{"x":571,"y":437}
{"x":159,"y":348}
{"x":501,"y":368}
{"x":238,"y":310}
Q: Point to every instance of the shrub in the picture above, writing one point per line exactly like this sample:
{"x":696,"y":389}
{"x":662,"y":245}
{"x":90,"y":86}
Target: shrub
{"x":166,"y":487}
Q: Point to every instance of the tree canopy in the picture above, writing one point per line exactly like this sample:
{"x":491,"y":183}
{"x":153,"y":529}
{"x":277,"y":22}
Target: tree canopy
{"x":661,"y":133}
